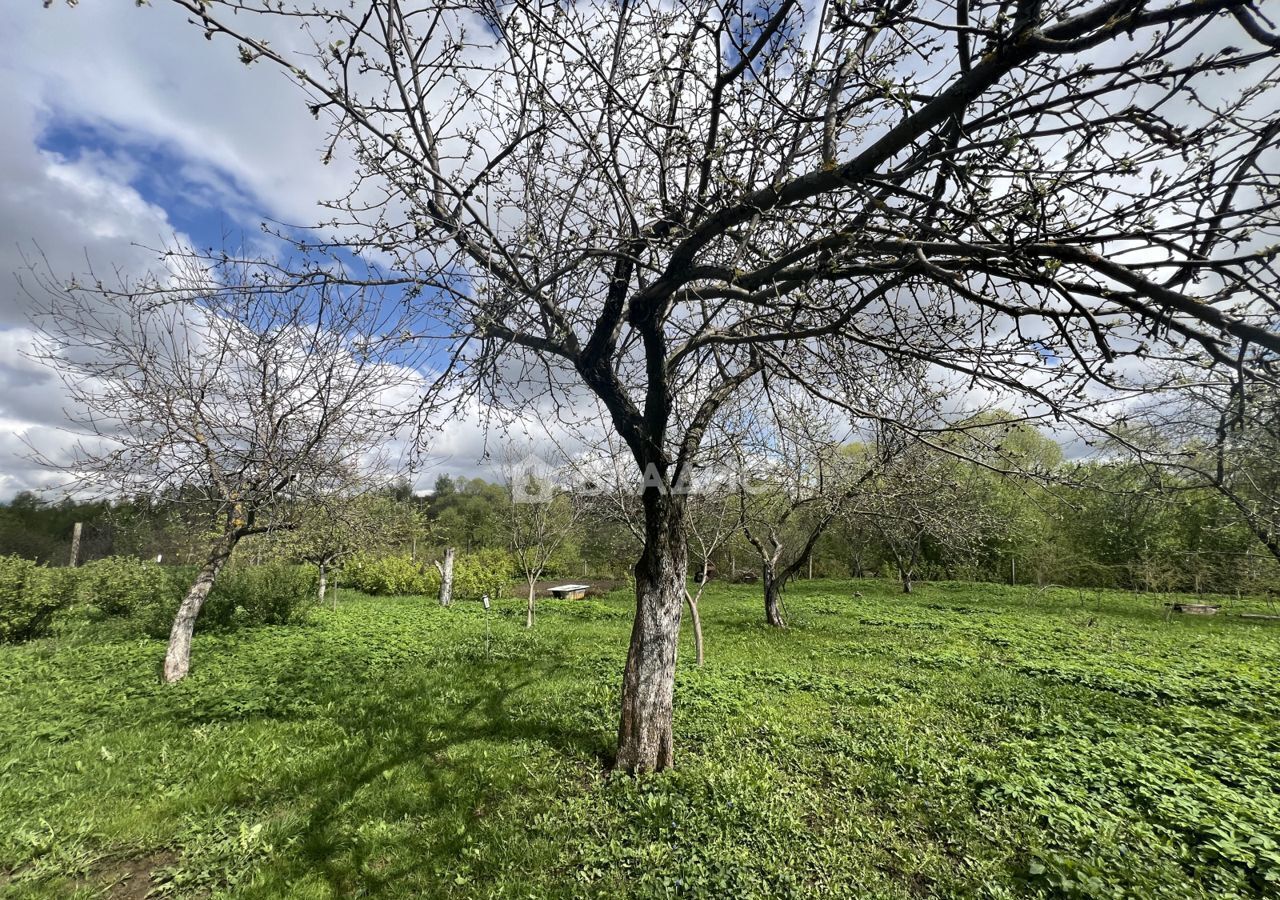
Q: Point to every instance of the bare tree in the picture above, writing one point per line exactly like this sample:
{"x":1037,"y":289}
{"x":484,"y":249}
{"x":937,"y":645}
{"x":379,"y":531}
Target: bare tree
{"x":211,"y":386}
{"x":802,"y":475}
{"x":654,"y":203}
{"x":540,"y":518}
{"x":918,"y":493}
{"x":330,"y":527}
{"x":712,"y":521}
{"x":1222,"y":430}
{"x":1244,"y":456}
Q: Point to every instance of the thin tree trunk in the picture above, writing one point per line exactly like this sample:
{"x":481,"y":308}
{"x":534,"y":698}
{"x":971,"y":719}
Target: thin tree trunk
{"x":446,"y":579}
{"x":915,"y":560}
{"x":528,"y":615}
{"x":697,"y":627}
{"x":324,"y":585}
{"x":906,"y":581}
{"x":648,"y":681}
{"x":177,"y":659}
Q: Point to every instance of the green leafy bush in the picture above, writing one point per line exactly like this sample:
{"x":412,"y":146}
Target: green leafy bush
{"x":474,"y":575}
{"x":30,"y":595}
{"x":155,"y":615}
{"x":242,"y":596}
{"x":270,"y":594}
{"x":388,"y":575}
{"x":480,"y":573}
{"x":122,"y":585}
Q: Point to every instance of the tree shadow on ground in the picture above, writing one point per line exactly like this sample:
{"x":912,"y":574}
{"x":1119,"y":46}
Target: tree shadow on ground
{"x":406,"y":756}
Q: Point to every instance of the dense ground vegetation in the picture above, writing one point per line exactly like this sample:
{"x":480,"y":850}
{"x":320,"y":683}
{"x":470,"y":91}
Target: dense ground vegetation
{"x":968,"y":740}
{"x":37,"y":600}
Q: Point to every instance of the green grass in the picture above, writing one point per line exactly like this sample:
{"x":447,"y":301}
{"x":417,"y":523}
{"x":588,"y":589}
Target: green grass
{"x":969,"y":740}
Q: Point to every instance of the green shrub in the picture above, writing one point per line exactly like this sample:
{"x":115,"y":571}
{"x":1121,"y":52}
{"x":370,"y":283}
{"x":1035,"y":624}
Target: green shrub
{"x":242,"y":596}
{"x":480,"y":573}
{"x":388,"y":575}
{"x":155,"y":615}
{"x":271,"y":594}
{"x":474,"y":575}
{"x":122,"y":585}
{"x":30,"y":595}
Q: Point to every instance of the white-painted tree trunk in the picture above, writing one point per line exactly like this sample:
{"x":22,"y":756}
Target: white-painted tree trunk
{"x":75,"y":544}
{"x":697,"y":627}
{"x":446,"y":579}
{"x":177,"y":659}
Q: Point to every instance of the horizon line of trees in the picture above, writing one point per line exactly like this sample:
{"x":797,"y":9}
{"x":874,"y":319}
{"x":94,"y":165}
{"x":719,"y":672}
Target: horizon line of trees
{"x":1115,"y":524}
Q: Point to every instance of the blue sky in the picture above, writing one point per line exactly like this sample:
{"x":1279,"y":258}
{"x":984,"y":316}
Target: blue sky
{"x":126,"y":130}
{"x":197,"y":201}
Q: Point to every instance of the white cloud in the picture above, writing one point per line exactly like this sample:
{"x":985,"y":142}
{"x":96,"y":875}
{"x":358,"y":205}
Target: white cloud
{"x":153,"y":75}
{"x":245,"y":144}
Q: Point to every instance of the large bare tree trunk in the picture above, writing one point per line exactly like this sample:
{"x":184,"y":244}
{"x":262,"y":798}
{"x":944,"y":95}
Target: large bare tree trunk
{"x":528,"y":615}
{"x":177,"y":659}
{"x":772,"y":596}
{"x":648,"y":682}
{"x":324,"y":586}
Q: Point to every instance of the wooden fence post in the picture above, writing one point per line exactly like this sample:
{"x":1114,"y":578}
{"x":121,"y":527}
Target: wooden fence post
{"x":75,"y":544}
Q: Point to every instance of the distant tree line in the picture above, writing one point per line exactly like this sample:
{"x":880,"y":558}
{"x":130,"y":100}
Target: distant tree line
{"x":1116,"y":524}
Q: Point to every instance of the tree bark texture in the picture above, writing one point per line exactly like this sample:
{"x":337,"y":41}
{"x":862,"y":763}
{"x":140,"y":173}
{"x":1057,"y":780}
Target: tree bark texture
{"x":177,"y":659}
{"x":446,"y":579}
{"x":772,"y":597}
{"x":648,"y":681}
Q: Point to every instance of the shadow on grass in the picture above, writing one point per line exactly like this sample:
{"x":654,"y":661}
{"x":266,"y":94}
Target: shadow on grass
{"x":426,"y":755}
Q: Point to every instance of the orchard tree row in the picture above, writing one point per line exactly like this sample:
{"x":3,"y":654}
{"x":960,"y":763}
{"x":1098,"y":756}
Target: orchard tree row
{"x":703,"y":226}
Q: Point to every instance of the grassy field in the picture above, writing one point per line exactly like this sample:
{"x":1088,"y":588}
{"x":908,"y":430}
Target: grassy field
{"x":969,"y":740}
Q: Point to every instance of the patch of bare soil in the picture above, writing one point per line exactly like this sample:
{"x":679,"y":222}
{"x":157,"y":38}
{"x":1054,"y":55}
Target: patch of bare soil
{"x":128,"y":877}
